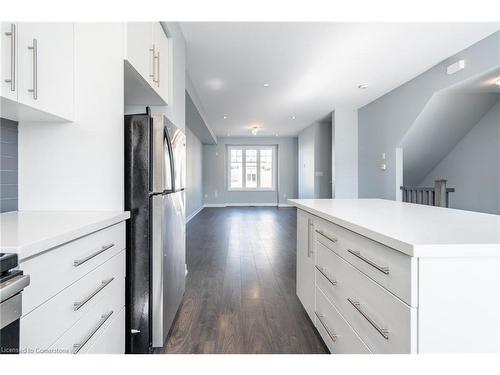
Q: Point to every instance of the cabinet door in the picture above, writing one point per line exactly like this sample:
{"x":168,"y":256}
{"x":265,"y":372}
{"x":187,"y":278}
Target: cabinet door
{"x":8,"y":62}
{"x":46,"y":67}
{"x":162,"y":61}
{"x":305,"y":262}
{"x":140,"y":52}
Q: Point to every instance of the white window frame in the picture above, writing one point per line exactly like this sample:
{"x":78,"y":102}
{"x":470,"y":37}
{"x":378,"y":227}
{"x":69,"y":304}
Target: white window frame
{"x":251,"y":147}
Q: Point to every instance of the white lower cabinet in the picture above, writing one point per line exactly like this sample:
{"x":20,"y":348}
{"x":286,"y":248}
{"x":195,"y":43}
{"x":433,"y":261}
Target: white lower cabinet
{"x":79,"y":305}
{"x":305,"y":262}
{"x":361,"y":288}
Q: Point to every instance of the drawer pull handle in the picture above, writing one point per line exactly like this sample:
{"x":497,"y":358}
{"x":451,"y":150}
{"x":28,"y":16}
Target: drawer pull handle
{"x":324,"y":272}
{"x":383,"y":331}
{"x":79,"y":262}
{"x":333,"y":239}
{"x":332,"y":335}
{"x":79,"y":346}
{"x":357,"y":254}
{"x":78,"y":305}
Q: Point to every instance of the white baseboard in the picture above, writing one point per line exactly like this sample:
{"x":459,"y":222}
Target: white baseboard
{"x":283,"y":205}
{"x":250,"y":204}
{"x":194,"y":214}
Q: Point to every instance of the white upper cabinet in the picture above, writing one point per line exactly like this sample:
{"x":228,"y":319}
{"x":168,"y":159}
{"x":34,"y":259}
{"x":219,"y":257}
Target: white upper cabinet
{"x":162,"y":61}
{"x":140,"y":48}
{"x":39,"y":58}
{"x":147,"y":64}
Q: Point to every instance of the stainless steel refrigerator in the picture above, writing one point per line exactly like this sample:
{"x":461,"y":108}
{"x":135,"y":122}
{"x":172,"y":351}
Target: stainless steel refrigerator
{"x":155,"y":173}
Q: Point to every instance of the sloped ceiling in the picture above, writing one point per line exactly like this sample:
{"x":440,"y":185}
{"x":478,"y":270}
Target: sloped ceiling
{"x":447,"y":117}
{"x":196,"y":124}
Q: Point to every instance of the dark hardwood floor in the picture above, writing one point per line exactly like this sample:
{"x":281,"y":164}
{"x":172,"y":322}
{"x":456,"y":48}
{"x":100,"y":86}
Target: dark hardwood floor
{"x":240,"y":289}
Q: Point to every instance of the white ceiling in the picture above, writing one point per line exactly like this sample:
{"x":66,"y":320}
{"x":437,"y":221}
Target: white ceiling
{"x":312,"y":68}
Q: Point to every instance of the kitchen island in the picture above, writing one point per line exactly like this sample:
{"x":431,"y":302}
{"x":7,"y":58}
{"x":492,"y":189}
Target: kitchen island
{"x":379,"y":276}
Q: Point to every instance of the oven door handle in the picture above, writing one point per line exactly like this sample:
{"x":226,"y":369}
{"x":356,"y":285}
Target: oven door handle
{"x":13,"y":286}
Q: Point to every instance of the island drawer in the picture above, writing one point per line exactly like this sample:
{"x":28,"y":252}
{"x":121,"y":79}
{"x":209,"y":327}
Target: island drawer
{"x":337,"y":334}
{"x":381,"y":320}
{"x":56,"y":269}
{"x":390,"y":268}
{"x":101,"y":287}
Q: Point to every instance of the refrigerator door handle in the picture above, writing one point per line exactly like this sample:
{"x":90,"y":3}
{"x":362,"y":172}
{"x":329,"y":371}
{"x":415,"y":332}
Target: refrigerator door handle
{"x":169,"y":177}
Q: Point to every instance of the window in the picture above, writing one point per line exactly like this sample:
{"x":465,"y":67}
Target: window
{"x":251,"y":167}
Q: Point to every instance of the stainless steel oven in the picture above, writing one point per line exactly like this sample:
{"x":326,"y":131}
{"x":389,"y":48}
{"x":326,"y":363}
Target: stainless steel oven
{"x":12,"y":282}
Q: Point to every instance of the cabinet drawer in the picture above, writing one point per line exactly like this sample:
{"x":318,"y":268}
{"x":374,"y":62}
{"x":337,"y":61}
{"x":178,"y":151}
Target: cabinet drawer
{"x":392,"y":269}
{"x":56,"y":269}
{"x":111,"y":340}
{"x":382,"y":321}
{"x":88,"y":330}
{"x":338,"y":336}
{"x":102,"y":287}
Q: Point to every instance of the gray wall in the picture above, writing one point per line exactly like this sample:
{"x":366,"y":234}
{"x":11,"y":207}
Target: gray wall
{"x":383,"y":123}
{"x":215,"y":171}
{"x":194,"y":173}
{"x":345,"y":153}
{"x":323,"y":161}
{"x":306,"y":162}
{"x":473,"y":167}
{"x":315,"y":161}
{"x":8,"y":166}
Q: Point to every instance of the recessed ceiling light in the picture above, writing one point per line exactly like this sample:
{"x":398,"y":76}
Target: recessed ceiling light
{"x":497,"y":82}
{"x":255,"y":129}
{"x":293,"y":117}
{"x":266,"y":85}
{"x":224,"y":117}
{"x":276,"y":134}
{"x":363,"y":86}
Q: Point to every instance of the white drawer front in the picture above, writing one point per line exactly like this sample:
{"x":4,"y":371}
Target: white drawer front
{"x":338,"y":336}
{"x":54,"y":270}
{"x":390,"y":268}
{"x":104,"y":286}
{"x":83,"y":334}
{"x":111,"y":340}
{"x":384,"y":323}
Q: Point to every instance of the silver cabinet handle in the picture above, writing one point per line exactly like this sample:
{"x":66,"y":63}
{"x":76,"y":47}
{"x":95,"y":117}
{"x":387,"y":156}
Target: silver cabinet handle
{"x":12,"y":35}
{"x":309,"y":237}
{"x":332,"y":335}
{"x":34,"y":48}
{"x":80,"y":345}
{"x":383,"y":331}
{"x":158,"y":69}
{"x":324,"y":272}
{"x":79,"y":262}
{"x":78,"y":305}
{"x":153,"y":54}
{"x":383,"y":269}
{"x":320,"y":231}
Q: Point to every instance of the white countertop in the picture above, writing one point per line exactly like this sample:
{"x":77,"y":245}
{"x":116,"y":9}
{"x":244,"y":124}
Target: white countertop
{"x":416,"y":230}
{"x":29,"y":232}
